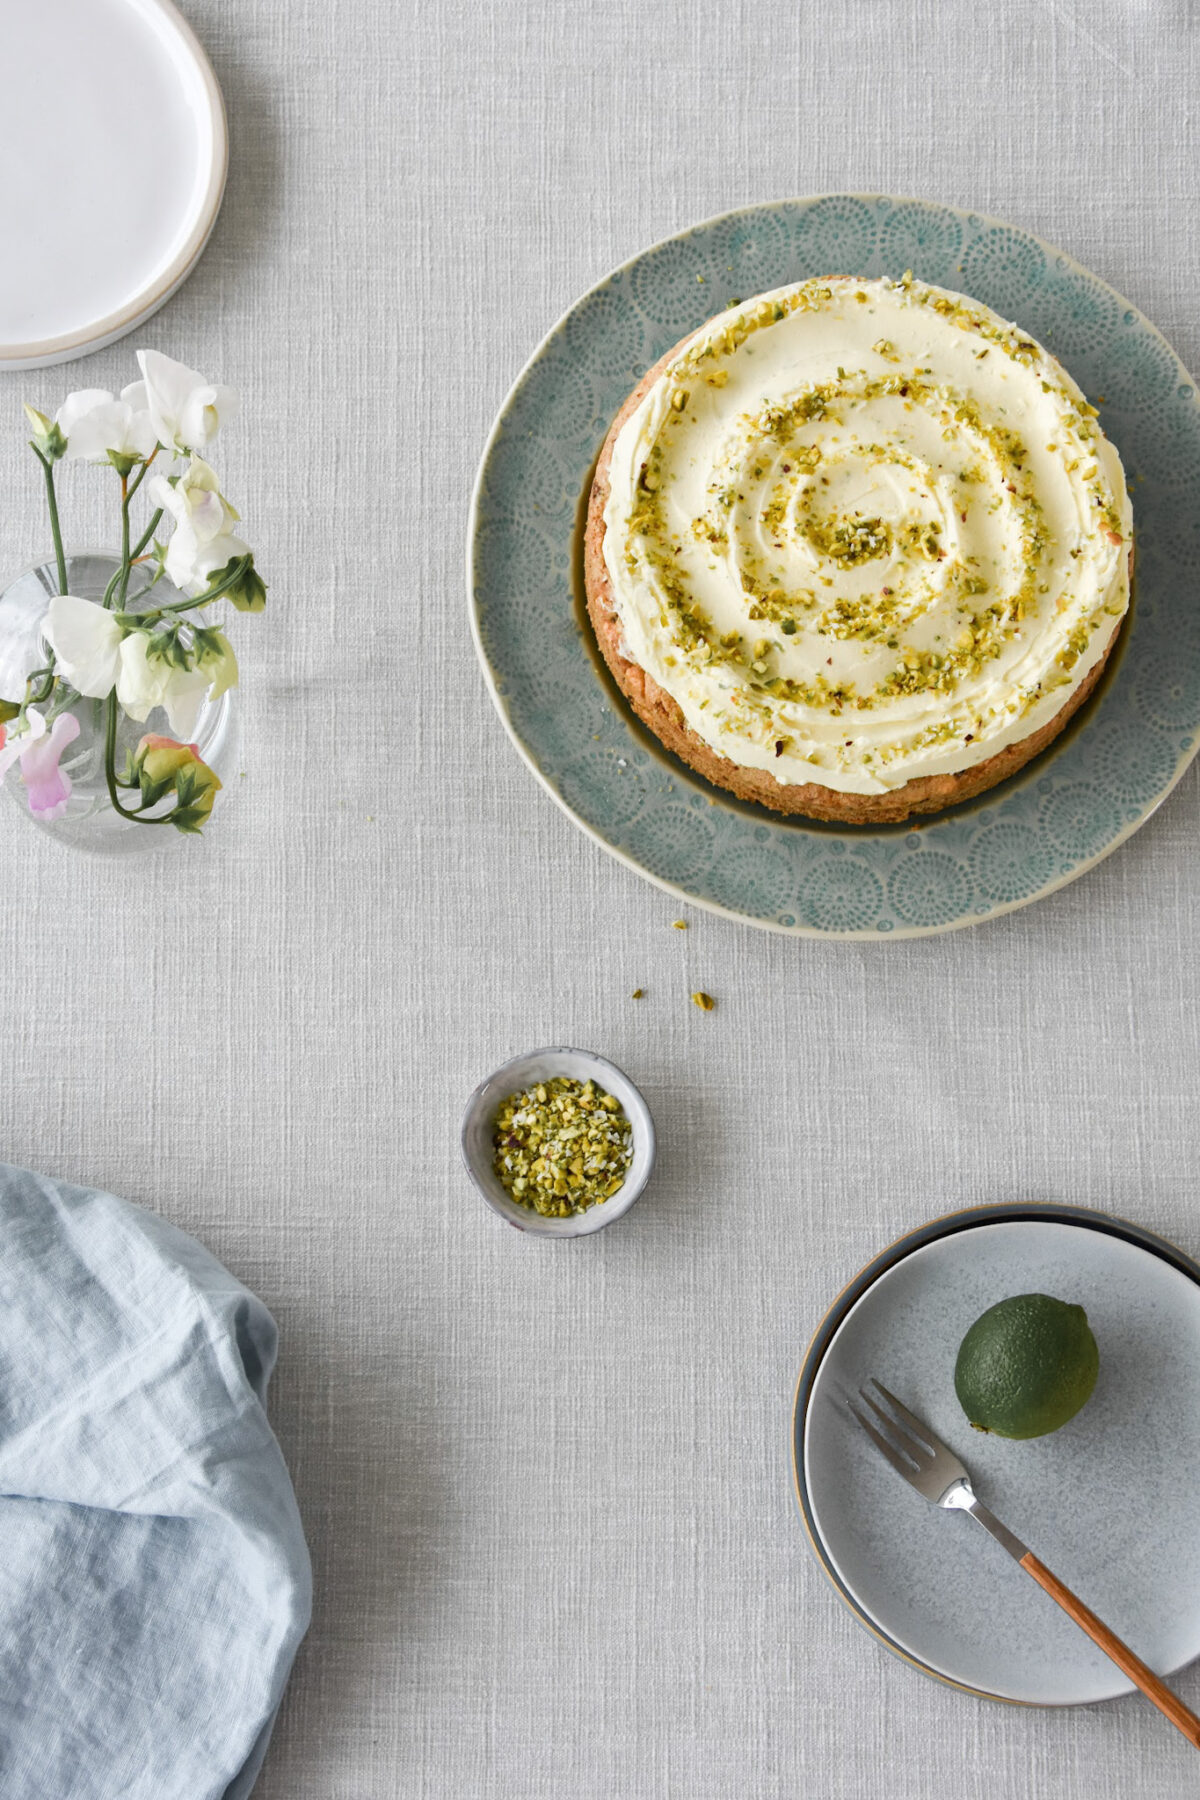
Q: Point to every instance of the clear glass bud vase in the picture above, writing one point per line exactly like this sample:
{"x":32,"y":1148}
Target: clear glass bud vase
{"x":89,"y":822}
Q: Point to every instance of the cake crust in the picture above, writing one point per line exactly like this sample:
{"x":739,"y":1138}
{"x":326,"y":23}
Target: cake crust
{"x":662,"y":715}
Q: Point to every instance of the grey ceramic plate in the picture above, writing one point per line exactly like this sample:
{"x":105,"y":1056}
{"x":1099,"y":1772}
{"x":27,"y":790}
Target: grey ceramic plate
{"x":1095,"y":785}
{"x":1109,"y":1502}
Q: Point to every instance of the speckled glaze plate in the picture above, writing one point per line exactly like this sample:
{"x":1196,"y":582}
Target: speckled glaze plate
{"x":1073,"y":805}
{"x":1108,"y":1501}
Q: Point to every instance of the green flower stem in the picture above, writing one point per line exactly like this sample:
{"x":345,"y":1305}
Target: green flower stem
{"x":38,"y":696}
{"x":61,"y":701}
{"x":143,"y":591}
{"x":111,"y":589}
{"x":126,"y":557}
{"x":52,"y":503}
{"x":149,"y":532}
{"x":185,"y":606}
{"x":119,"y":584}
{"x":127,"y":496}
{"x":138,"y":479}
{"x":231,"y":581}
{"x":110,"y":769}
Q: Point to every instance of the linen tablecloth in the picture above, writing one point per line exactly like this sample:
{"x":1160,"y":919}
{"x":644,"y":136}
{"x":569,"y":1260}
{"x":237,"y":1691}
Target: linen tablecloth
{"x":548,"y":1489}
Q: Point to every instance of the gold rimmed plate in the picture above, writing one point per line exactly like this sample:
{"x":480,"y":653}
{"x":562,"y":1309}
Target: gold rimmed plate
{"x":1108,"y":1500}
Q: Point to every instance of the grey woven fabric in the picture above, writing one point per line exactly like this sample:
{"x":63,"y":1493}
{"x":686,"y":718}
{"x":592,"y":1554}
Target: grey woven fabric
{"x":547,"y":1488}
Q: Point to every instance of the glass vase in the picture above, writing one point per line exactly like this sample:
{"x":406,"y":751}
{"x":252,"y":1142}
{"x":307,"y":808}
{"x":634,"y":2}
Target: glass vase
{"x":89,"y":822}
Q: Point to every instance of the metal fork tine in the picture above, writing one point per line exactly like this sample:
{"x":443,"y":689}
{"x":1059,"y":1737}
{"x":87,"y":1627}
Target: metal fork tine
{"x":898,"y":1462}
{"x":914,"y":1448}
{"x":915,"y":1425}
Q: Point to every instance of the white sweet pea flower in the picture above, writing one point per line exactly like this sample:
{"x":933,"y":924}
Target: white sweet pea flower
{"x":202,"y":541}
{"x":141,"y":678}
{"x":183,"y":699}
{"x":145,"y":681}
{"x":95,"y":654}
{"x":195,"y":499}
{"x":86,"y":640}
{"x":187,"y":411}
{"x":95,"y":423}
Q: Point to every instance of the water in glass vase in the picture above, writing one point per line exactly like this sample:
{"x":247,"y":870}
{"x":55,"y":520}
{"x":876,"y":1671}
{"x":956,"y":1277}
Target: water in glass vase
{"x":89,"y":822}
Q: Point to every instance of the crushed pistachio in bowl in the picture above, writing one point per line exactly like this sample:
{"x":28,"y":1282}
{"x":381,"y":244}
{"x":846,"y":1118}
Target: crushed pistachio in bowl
{"x":562,"y":1146}
{"x":572,"y":1128}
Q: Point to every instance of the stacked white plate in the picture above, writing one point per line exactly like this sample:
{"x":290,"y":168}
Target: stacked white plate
{"x":113,"y":154}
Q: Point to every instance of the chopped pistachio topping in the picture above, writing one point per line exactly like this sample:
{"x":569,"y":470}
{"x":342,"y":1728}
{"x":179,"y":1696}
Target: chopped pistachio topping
{"x":562,"y":1146}
{"x":891,"y":536}
{"x":704,"y":1001}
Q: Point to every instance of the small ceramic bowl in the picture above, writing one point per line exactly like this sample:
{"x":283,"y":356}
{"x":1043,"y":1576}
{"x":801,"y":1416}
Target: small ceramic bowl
{"x":523,"y":1072}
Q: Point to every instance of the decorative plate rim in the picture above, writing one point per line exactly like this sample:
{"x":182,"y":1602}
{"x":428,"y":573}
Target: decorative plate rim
{"x":933,"y":1231}
{"x":67,"y":346}
{"x":475,"y":519}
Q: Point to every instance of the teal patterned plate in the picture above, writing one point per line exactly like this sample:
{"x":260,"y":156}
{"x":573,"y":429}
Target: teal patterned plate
{"x":1059,"y":816}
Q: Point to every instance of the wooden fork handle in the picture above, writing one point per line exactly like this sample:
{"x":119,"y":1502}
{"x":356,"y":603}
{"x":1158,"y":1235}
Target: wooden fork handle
{"x":1181,"y":1716}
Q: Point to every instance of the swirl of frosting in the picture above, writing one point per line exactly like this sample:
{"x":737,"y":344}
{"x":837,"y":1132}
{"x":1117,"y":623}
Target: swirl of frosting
{"x":864,"y":531}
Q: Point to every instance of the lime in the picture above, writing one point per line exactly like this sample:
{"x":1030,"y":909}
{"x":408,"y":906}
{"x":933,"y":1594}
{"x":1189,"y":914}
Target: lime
{"x":1026,"y":1366}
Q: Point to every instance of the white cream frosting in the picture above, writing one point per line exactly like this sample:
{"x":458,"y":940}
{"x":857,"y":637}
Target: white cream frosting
{"x":865,"y":531}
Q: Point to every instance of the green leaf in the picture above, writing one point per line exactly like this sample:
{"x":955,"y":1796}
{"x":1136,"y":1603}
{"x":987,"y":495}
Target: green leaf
{"x":166,"y":645}
{"x":153,"y":791}
{"x":9,"y":709}
{"x":250,"y":595}
{"x":185,"y":786}
{"x":206,"y":641}
{"x":249,"y":592}
{"x":191,"y":819}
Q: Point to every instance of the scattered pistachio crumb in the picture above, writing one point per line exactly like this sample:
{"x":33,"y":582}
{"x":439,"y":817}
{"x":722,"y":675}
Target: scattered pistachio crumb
{"x":679,"y":924}
{"x":637,"y":993}
{"x":704,"y":1001}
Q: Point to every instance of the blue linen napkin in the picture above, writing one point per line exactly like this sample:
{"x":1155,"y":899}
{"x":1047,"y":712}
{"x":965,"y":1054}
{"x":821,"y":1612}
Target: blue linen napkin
{"x":154,"y":1580}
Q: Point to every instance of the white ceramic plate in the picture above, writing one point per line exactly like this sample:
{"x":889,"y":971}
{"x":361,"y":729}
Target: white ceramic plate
{"x":113,"y":150}
{"x":1108,"y":1502}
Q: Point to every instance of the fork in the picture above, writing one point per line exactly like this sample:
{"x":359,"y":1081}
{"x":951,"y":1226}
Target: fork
{"x":936,"y":1473}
